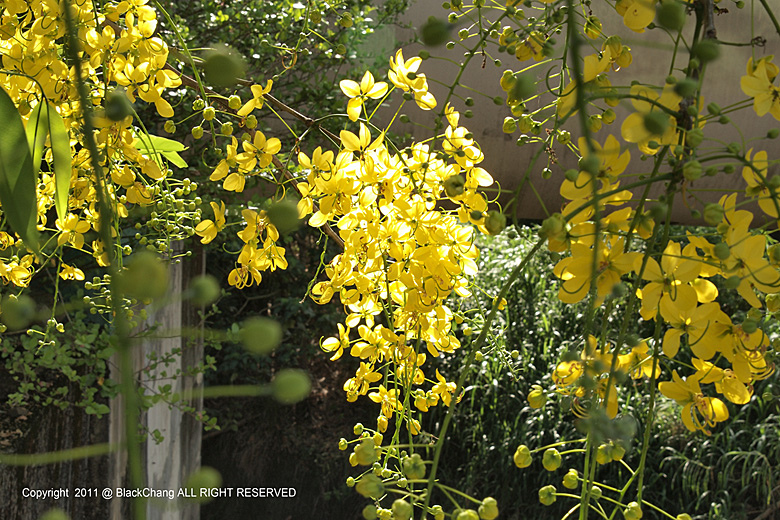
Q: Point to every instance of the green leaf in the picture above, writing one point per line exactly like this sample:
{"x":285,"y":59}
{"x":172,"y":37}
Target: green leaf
{"x":17,"y":174}
{"x":157,"y":144}
{"x":168,"y":148}
{"x":175,"y":158}
{"x":37,"y":131}
{"x":60,"y":148}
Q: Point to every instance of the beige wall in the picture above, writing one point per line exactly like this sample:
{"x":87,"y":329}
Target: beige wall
{"x":508,"y":162}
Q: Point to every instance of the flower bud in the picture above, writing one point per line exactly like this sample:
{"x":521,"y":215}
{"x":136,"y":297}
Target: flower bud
{"x":571,"y":480}
{"x":488,"y":510}
{"x":551,"y":459}
{"x":713,"y":214}
{"x":414,"y":467}
{"x":547,"y":495}
{"x":632,"y":512}
{"x":536,"y":397}
{"x":522,"y":456}
{"x":692,"y":170}
{"x":604,"y":454}
{"x":402,"y":510}
{"x":509,"y":126}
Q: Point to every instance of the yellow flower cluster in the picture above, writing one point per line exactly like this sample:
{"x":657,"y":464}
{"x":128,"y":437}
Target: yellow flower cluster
{"x":122,"y":59}
{"x":403,"y":255}
{"x":677,"y":289}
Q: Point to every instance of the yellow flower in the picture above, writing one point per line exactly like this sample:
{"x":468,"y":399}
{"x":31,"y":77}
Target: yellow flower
{"x":257,"y":100}
{"x":611,"y":164}
{"x":404,"y":75}
{"x":633,"y":128}
{"x":72,"y":230}
{"x":208,"y":229}
{"x":758,"y":85}
{"x":676,"y":269}
{"x":576,"y":271}
{"x":756,"y":178}
{"x":726,"y":382}
{"x":698,"y":411}
{"x":388,"y":400}
{"x":443,"y":389}
{"x":68,"y":272}
{"x":358,"y":93}
{"x":637,"y":14}
{"x":337,"y":345}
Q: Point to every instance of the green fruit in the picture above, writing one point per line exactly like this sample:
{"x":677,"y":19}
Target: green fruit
{"x":203,"y":290}
{"x":17,"y":311}
{"x":291,"y":385}
{"x":454,"y":186}
{"x":686,"y":87}
{"x":118,"y":105}
{"x":495,"y":222}
{"x":749,"y":326}
{"x":204,"y":478}
{"x":523,"y":88}
{"x":656,"y":122}
{"x":713,"y":214}
{"x":54,"y":514}
{"x":732,"y":282}
{"x":670,"y":15}
{"x":435,"y":31}
{"x":284,"y":216}
{"x":706,"y":50}
{"x":261,"y":335}
{"x":146,"y":276}
{"x":722,"y":251}
{"x":223,"y":66}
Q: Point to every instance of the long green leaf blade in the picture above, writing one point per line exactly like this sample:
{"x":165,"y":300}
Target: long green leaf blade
{"x":37,"y":131}
{"x":17,"y":175}
{"x":60,"y":148}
